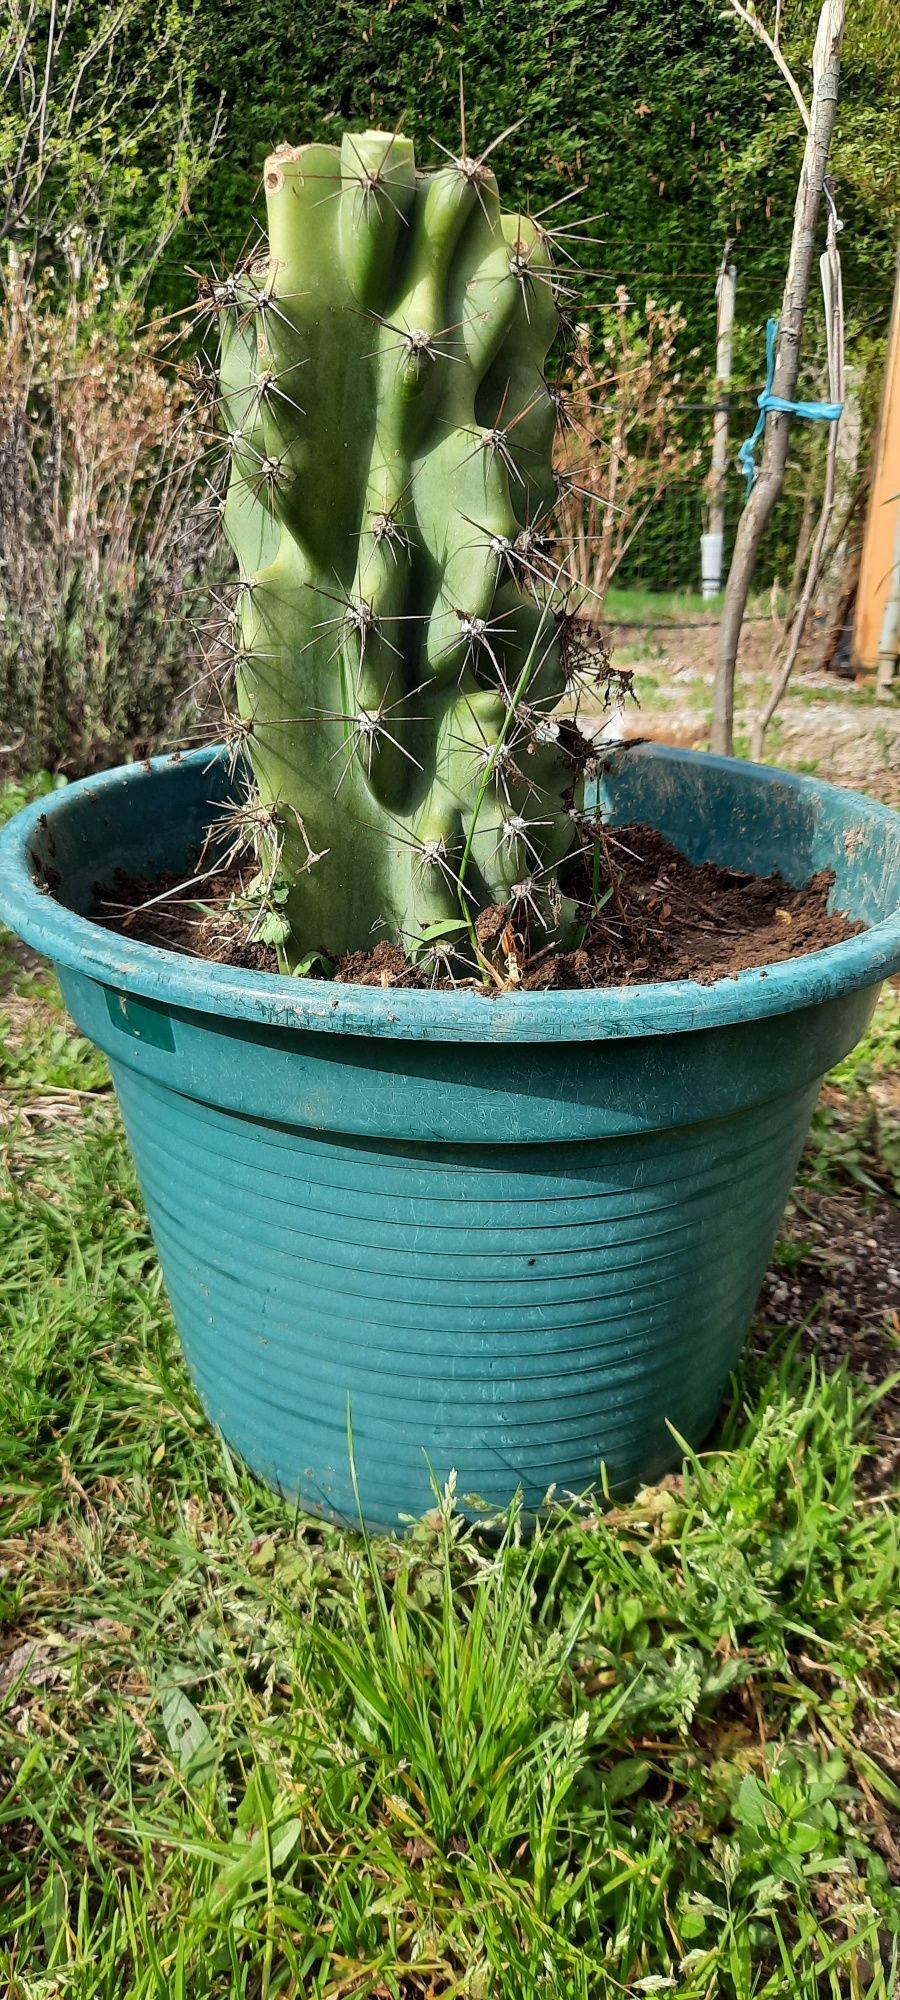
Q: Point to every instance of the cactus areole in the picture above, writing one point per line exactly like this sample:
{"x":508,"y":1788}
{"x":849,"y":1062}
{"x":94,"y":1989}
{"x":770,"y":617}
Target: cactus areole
{"x":402,"y":617}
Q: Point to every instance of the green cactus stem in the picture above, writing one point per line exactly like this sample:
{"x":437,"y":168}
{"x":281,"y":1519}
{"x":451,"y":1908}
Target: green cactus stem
{"x":390,"y":436}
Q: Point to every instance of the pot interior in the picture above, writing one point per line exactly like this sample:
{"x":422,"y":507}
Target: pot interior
{"x":158,"y":817}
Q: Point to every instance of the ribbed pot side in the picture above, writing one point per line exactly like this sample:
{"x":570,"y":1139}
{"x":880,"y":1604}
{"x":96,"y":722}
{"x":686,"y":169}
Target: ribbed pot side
{"x":519,"y":1242}
{"x":523,"y":1314}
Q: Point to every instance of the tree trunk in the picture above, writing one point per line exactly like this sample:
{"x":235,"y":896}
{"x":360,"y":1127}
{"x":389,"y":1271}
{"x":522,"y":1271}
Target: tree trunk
{"x":767,"y":490}
{"x":834,"y":321}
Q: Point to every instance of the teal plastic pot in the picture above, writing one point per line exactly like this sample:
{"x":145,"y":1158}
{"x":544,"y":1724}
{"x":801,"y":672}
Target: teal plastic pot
{"x":516,"y":1238}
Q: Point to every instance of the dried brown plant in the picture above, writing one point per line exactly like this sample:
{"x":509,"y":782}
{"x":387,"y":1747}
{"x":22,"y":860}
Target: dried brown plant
{"x":99,"y":546}
{"x":622,"y":435}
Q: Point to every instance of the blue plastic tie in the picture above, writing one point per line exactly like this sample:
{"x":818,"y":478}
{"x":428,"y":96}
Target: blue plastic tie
{"x":823,"y":413}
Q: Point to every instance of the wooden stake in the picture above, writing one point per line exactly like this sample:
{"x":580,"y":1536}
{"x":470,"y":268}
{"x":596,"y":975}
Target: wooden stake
{"x":712,"y":543}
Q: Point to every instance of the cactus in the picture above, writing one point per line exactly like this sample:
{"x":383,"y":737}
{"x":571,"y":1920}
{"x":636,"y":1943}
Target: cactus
{"x":402,"y":633}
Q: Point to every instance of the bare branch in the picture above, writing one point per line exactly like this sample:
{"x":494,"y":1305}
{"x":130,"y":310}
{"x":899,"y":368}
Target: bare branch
{"x":771,"y":42}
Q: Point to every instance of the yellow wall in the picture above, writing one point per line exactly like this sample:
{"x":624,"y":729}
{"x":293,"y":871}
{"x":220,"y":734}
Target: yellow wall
{"x":884,"y":502}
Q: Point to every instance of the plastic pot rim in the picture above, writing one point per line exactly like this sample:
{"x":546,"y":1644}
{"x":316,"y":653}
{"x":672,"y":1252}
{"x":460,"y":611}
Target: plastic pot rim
{"x":275,"y":1000}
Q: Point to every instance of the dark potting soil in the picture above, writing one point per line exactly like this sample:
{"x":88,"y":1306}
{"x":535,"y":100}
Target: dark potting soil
{"x":657,"y":916}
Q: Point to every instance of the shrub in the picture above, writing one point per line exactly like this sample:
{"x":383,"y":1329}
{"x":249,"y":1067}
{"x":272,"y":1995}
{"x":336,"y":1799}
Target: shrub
{"x":98,"y":547}
{"x":626,"y":398}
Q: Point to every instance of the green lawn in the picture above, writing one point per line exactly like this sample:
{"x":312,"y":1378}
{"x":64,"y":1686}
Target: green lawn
{"x":619,"y":606}
{"x":245,"y":1755}
{"x":681,"y":606}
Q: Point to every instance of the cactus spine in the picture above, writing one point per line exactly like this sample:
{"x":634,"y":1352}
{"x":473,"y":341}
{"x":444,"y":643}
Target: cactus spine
{"x":400,"y":640}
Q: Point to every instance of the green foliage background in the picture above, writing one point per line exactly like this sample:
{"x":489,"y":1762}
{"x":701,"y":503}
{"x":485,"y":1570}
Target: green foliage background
{"x":671,"y":118}
{"x":671,"y":115}
{"x":665,"y":119}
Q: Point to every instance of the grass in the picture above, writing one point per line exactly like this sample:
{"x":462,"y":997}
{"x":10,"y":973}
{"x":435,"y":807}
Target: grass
{"x":244,"y":1755}
{"x":841,"y":692}
{"x":682,"y":606}
{"x":855,"y":1137}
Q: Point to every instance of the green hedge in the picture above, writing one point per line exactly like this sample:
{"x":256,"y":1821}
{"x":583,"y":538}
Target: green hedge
{"x":671,"y":114}
{"x":671,"y":117}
